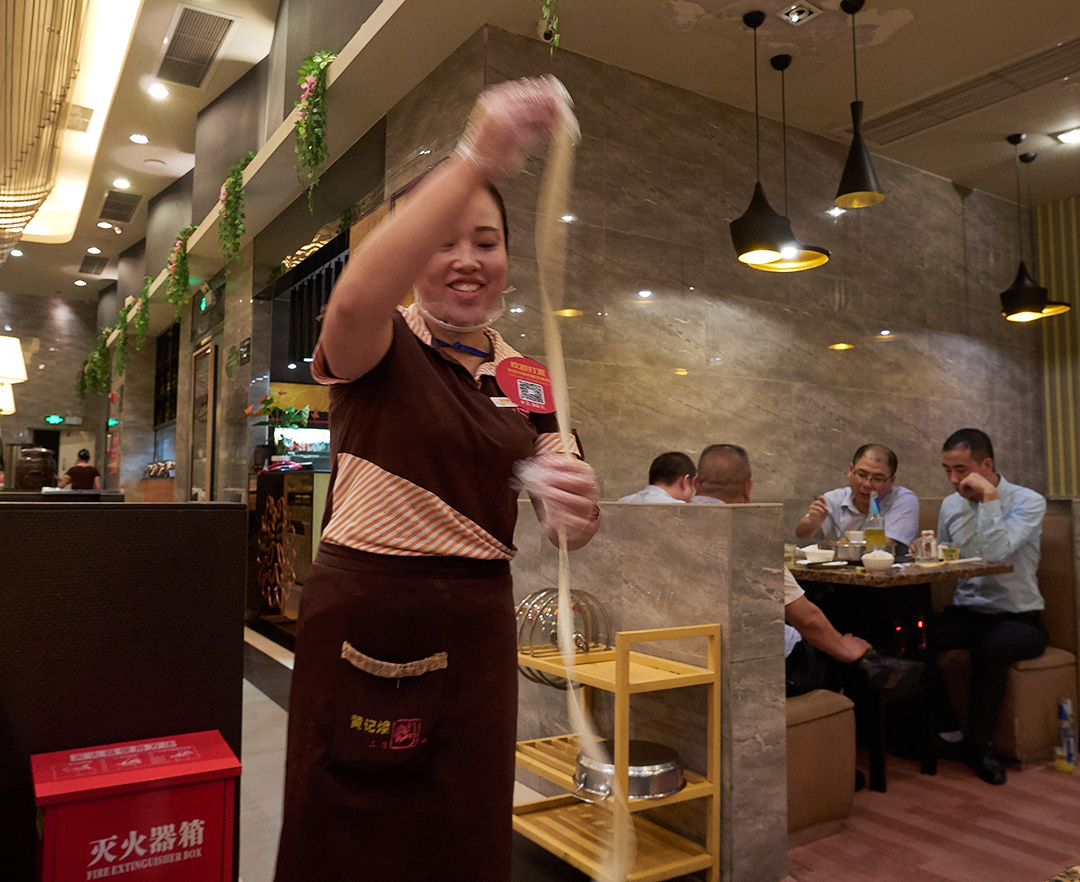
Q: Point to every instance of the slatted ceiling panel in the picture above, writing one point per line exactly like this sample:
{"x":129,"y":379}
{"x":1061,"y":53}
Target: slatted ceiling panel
{"x":1058,"y":227}
{"x":982,"y":91}
{"x":193,"y":46}
{"x":93,"y":266}
{"x":119,"y":207}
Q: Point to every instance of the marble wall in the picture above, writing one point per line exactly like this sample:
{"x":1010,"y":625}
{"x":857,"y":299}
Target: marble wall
{"x":666,"y":565}
{"x":721,"y":352}
{"x":56,"y":336}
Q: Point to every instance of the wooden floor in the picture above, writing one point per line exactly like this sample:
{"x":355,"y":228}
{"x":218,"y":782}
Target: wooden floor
{"x":951,"y":828}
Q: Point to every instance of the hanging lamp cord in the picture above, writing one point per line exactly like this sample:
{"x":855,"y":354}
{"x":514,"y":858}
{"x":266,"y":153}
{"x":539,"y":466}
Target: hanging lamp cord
{"x":757,"y":115}
{"x":854,"y":57}
{"x":783,"y":126}
{"x":1019,"y":213}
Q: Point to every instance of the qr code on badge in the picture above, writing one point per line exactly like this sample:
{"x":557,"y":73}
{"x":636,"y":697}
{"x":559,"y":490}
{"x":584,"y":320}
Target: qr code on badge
{"x":531,"y":392}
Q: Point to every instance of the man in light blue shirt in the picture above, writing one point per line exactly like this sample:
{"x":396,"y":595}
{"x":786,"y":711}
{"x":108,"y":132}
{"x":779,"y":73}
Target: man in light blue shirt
{"x":723,"y":475}
{"x":872,"y":469}
{"x":671,"y":479}
{"x":998,"y":617}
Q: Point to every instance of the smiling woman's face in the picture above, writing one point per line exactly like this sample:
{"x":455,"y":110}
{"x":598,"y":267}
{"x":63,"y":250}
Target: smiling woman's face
{"x":466,"y":275}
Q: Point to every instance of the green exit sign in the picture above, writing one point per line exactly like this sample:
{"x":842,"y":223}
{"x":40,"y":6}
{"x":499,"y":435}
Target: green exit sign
{"x":54,"y":419}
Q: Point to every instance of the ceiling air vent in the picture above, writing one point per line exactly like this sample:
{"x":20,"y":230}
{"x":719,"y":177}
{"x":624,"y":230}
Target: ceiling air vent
{"x":119,"y":207}
{"x":93,"y":266}
{"x":192,"y":46}
{"x":984,"y":91}
{"x":78,"y":117}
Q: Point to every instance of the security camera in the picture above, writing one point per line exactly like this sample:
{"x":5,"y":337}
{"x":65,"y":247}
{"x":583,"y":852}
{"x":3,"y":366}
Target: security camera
{"x":544,"y":31}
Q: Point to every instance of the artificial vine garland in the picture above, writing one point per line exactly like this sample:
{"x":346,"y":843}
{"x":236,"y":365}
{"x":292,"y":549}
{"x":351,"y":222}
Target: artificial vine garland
{"x":121,"y":359}
{"x":231,"y":225}
{"x":310,"y":124}
{"x":142,"y":316}
{"x":549,"y":12}
{"x":95,"y":375}
{"x":178,"y":284}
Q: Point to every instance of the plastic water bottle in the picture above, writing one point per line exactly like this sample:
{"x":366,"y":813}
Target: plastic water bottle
{"x":875,"y":523}
{"x":1065,"y":752}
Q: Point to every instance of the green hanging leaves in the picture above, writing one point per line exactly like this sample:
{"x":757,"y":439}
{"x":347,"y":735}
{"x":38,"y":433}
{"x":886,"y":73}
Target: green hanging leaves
{"x":95,"y":375}
{"x":120,"y":359}
{"x":142,"y":316}
{"x":178,"y":284}
{"x":310,"y":123}
{"x":549,"y":12}
{"x":231,"y":213}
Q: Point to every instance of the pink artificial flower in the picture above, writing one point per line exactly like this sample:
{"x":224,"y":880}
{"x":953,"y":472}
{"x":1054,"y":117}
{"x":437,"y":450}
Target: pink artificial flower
{"x":224,"y":193}
{"x":310,"y":80}
{"x":300,"y":115}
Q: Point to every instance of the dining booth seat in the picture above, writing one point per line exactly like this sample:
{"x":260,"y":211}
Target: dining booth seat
{"x":1028,"y":729}
{"x":820,"y":764}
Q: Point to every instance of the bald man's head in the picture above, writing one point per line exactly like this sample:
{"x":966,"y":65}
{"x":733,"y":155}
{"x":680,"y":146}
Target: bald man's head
{"x":724,"y":473}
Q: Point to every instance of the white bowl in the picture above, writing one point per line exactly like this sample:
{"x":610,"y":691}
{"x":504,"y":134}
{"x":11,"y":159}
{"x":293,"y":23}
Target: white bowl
{"x":877,"y":563}
{"x":813,"y":554}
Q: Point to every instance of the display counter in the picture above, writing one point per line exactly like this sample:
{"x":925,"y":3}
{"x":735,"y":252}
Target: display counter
{"x":658,"y":566}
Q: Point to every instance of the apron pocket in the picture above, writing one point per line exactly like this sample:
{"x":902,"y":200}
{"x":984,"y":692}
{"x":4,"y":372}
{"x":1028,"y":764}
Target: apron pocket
{"x":385,"y":712}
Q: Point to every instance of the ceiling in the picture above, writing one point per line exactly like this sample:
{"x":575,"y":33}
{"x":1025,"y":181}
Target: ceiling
{"x":974,"y":73}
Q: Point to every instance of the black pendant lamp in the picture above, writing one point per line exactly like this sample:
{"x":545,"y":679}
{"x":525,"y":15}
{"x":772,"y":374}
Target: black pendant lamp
{"x":1025,"y":300}
{"x":763,"y":238}
{"x":859,"y":187}
{"x":795,"y":256}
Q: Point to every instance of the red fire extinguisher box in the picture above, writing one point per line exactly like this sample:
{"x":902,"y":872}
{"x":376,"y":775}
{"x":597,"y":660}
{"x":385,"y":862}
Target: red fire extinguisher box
{"x":159,"y":809}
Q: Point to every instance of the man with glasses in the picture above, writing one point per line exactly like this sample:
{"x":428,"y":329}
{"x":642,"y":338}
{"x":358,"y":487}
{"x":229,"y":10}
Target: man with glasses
{"x":873,"y":468}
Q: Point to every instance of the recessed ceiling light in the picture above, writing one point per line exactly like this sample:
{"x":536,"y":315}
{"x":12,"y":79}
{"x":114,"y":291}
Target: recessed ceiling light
{"x":836,"y":211}
{"x":121,"y":183}
{"x":93,"y":250}
{"x":798,"y":13}
{"x":568,"y":218}
{"x":292,"y":365}
{"x":15,"y":252}
{"x":1070,"y":137}
{"x":569,"y":313}
{"x":885,"y":333}
{"x":104,"y":225}
{"x":136,"y":138}
{"x":644,"y":295}
{"x":157,"y":90}
{"x":841,"y":346}
{"x":79,"y":283}
{"x":681,"y":372}
{"x":517,"y":309}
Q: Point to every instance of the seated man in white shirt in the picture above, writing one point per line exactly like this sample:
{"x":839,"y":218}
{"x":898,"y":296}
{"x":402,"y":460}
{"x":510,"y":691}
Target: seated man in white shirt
{"x":999,"y":618}
{"x":671,"y":479}
{"x":812,"y":646}
{"x":723,"y":475}
{"x":873,"y":468}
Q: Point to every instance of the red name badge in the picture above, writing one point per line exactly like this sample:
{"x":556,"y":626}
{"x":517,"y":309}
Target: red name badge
{"x":526,"y":383}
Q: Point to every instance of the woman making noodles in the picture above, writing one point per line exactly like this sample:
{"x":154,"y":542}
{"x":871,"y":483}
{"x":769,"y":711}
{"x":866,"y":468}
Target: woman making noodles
{"x":404,"y":694}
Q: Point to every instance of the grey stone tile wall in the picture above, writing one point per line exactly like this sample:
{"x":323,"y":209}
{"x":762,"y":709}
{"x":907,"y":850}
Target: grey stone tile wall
{"x":656,"y":566}
{"x":660,"y":174}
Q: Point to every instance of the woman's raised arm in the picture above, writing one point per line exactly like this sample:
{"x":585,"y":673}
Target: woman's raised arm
{"x":505,"y":121}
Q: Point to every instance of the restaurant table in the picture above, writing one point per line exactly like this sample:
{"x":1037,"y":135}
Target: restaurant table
{"x":891,"y":609}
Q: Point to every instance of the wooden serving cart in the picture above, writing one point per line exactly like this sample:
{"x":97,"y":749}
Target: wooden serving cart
{"x":581,"y":832}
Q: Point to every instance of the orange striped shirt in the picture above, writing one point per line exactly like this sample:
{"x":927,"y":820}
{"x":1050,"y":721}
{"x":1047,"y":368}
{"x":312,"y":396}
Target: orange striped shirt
{"x":422,"y":455}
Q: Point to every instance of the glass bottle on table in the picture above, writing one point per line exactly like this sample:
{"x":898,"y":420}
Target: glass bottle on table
{"x":875,"y":524}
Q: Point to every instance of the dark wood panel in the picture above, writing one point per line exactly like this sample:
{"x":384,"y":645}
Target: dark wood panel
{"x":120,"y":622}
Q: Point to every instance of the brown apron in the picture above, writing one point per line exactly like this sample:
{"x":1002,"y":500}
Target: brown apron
{"x":395,"y":777}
